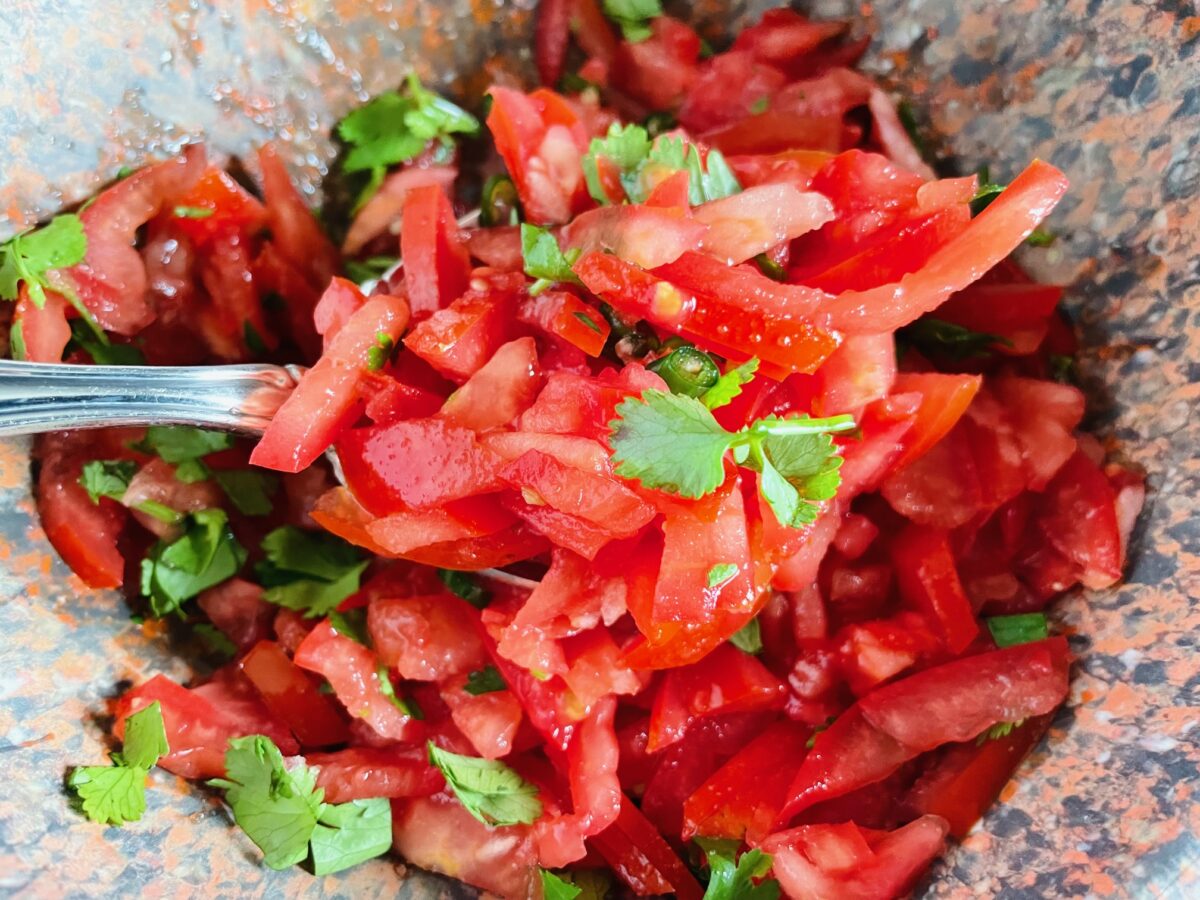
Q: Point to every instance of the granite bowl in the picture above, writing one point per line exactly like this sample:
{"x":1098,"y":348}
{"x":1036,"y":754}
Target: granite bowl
{"x":1105,"y":807}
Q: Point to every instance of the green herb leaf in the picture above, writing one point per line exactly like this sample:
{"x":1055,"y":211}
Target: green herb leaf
{"x":277,"y":807}
{"x":721,"y":573}
{"x":1007,"y":631}
{"x":488,"y":789}
{"x":248,"y":489}
{"x":352,"y":624}
{"x":104,"y":353}
{"x":730,"y":880}
{"x":381,"y":354}
{"x":192,"y":212}
{"x":555,"y":888}
{"x":1062,"y":368}
{"x":633,"y":16}
{"x":31,"y":256}
{"x":729,"y":385}
{"x":145,"y":738}
{"x":203,"y":557}
{"x":631,"y":150}
{"x":310,"y":572}
{"x":107,"y":478}
{"x":997,"y":731}
{"x":748,"y":638}
{"x":484,"y":681}
{"x":627,"y":147}
{"x":770,"y":268}
{"x":350,"y":833}
{"x":369,"y":269}
{"x":1041,"y":237}
{"x":388,"y":689}
{"x":116,"y":794}
{"x":16,"y":341}
{"x":215,"y":640}
{"x":191,"y":471}
{"x":180,"y":443}
{"x":946,"y":340}
{"x":466,"y":586}
{"x":544,"y":260}
{"x":760,"y":106}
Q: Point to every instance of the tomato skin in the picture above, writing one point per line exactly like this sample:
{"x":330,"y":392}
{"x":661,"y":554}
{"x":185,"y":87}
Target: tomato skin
{"x":928,"y":581}
{"x":234,"y":307}
{"x":725,"y":681}
{"x":359,"y":773}
{"x":45,"y":331}
{"x":551,"y":36}
{"x":350,"y":668}
{"x":457,"y":341}
{"x":644,"y":235}
{"x":640,"y":857}
{"x":84,"y":534}
{"x":783,"y":38}
{"x":741,"y":799}
{"x":893,"y":137}
{"x":759,"y":218}
{"x":232,"y":208}
{"x":339,"y":302}
{"x":846,"y":862}
{"x":415,"y":463}
{"x":862,"y":369}
{"x":564,"y":316}
{"x":582,"y":406}
{"x":294,"y":229}
{"x":236,"y":607}
{"x":944,"y":400}
{"x":500,"y":391}
{"x":400,"y":533}
{"x":659,"y":70}
{"x":292,"y":696}
{"x":327,"y":398}
{"x":437,"y":268}
{"x":1079,"y":518}
{"x":490,"y":721}
{"x":1044,"y":416}
{"x":725,"y":89}
{"x":425,"y":638}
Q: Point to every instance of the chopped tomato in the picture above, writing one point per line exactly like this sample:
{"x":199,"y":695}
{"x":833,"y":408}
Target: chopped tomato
{"x":659,"y":70}
{"x":640,"y":857}
{"x":341,"y":300}
{"x":783,"y":38}
{"x":427,"y":638}
{"x":646,"y":236}
{"x":458,"y":340}
{"x":44,"y":331}
{"x":386,"y":205}
{"x":436,"y":265}
{"x":489,"y":720}
{"x":1079,"y":518}
{"x":500,"y":391}
{"x":565,"y":316}
{"x":292,"y":695}
{"x":727,"y":88}
{"x":294,"y":229}
{"x":929,"y":582}
{"x":237,"y":608}
{"x":327,"y":398}
{"x":944,"y":399}
{"x":360,"y":773}
{"x":231,"y":209}
{"x":755,"y":220}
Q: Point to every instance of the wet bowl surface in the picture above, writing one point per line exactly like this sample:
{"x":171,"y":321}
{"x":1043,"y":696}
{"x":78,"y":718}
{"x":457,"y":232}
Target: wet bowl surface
{"x":1105,"y":807}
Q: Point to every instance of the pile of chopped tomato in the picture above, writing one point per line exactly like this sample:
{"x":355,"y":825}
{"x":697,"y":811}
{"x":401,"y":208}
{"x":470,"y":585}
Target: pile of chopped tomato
{"x":834,"y":689}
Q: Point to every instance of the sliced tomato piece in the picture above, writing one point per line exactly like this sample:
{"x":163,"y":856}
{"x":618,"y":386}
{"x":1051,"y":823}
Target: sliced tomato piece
{"x":726,"y":88}
{"x":759,"y":218}
{"x":327,"y":398}
{"x":564,"y":316}
{"x":578,"y":452}
{"x":44,"y":331}
{"x":659,"y":70}
{"x":861,"y":370}
{"x":500,"y":391}
{"x":551,"y":36}
{"x":1044,"y":416}
{"x":893,"y":137}
{"x":292,"y":695}
{"x":928,"y":581}
{"x":642,"y":859}
{"x":339,"y":302}
{"x":352,"y":670}
{"x":360,"y":773}
{"x":294,"y":229}
{"x":646,"y":236}
{"x":489,"y":721}
{"x":386,"y":205}
{"x":784,"y":37}
{"x":944,"y":399}
{"x":437,"y":267}
{"x":231,"y":209}
{"x":583,"y":406}
{"x":1079,"y":518}
{"x":458,"y":340}
{"x":237,"y":608}
{"x":425,"y":638}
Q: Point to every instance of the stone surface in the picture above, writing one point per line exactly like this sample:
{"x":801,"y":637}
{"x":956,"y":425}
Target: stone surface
{"x":1105,"y":90}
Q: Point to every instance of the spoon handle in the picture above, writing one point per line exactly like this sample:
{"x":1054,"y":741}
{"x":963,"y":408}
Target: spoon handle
{"x":37,"y":397}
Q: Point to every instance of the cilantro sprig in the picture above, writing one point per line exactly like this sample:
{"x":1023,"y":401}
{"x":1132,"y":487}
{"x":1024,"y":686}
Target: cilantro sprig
{"x":116,"y":794}
{"x":395,"y":127}
{"x":484,"y":681}
{"x":544,"y":260}
{"x":633,"y":16}
{"x":633,"y":152}
{"x":748,"y":638}
{"x":729,"y":385}
{"x":310,"y":572}
{"x":283,"y":811}
{"x":1023,"y":628}
{"x":205,"y":555}
{"x":948,"y":340}
{"x":672,"y":443}
{"x":737,"y":878}
{"x":33,"y":256}
{"x":487,"y":788}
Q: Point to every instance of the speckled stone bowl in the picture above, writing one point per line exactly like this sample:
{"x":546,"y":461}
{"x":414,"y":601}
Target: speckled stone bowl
{"x":1108,"y":91}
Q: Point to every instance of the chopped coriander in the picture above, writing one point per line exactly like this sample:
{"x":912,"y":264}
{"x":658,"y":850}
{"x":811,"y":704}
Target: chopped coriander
{"x":721,"y":573}
{"x":484,"y":681}
{"x":380,"y":354}
{"x":205,"y":555}
{"x":369,"y":269}
{"x":160,"y":511}
{"x":215,"y":640}
{"x":672,"y":443}
{"x":254,"y":341}
{"x":32,"y":256}
{"x":104,"y":353}
{"x":729,"y":385}
{"x":487,"y":788}
{"x":633,"y":16}
{"x":1062,"y":367}
{"x":770,"y":268}
{"x":1024,"y":628}
{"x":116,"y":794}
{"x":107,"y":478}
{"x":1041,"y":237}
{"x":556,"y":888}
{"x":396,"y":127}
{"x":760,"y":106}
{"x":947,"y":340}
{"x":817,"y":729}
{"x":659,"y":123}
{"x":311,"y":572}
{"x":352,"y":624}
{"x":179,"y":443}
{"x":350,"y":833}
{"x":16,"y":341}
{"x":985,"y":193}
{"x":908,"y":118}
{"x":192,"y":212}
{"x":997,"y":731}
{"x":388,"y":689}
{"x":249,"y":490}
{"x":544,"y":259}
{"x":588,"y":321}
{"x":192,"y":471}
{"x":748,"y":638}
{"x":466,"y":586}
{"x":736,"y":880}
{"x":625,"y":146}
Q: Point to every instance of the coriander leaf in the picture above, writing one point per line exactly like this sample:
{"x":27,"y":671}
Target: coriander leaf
{"x":408,"y":707}
{"x":1041,"y":237}
{"x":735,"y":881}
{"x":316,"y":598}
{"x":311,"y":572}
{"x":1007,"y":631}
{"x":997,"y":731}
{"x":592,"y":883}
{"x":350,"y":833}
{"x":670,"y":442}
{"x":782,"y":496}
{"x":249,"y":490}
{"x":748,"y":638}
{"x":465,"y":586}
{"x":985,"y":193}
{"x":433,"y":115}
{"x":192,"y":212}
{"x":633,"y":16}
{"x":352,"y":624}
{"x":145,"y":738}
{"x":16,"y":341}
{"x":29,"y":257}
{"x":721,"y":573}
{"x":369,"y":269}
{"x":104,"y":354}
{"x":937,"y":337}
{"x":111,"y":795}
{"x":107,"y":478}
{"x":770,"y":268}
{"x":555,"y":888}
{"x":626,"y":147}
{"x":191,"y":471}
{"x":215,"y":640}
{"x":180,"y":443}
{"x":729,"y":385}
{"x":718,"y":180}
{"x":484,"y":681}
{"x":543,"y":258}
{"x":203,"y":557}
{"x":487,"y":788}
{"x":277,"y":807}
